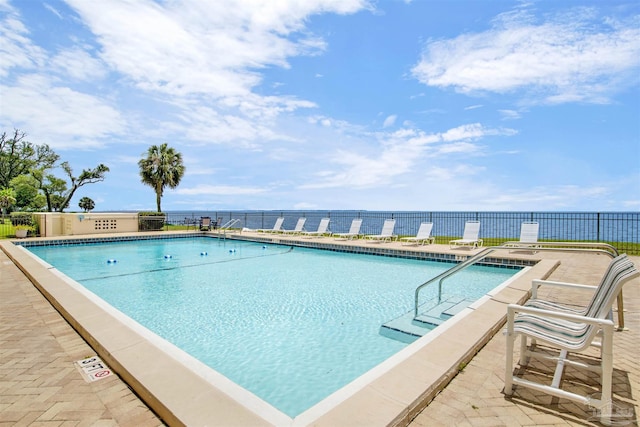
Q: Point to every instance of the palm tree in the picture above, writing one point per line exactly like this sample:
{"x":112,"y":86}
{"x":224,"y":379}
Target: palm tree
{"x":161,"y":168}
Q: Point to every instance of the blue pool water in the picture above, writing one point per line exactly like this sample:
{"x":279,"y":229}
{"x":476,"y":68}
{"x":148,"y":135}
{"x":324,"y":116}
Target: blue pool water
{"x":290,"y":325}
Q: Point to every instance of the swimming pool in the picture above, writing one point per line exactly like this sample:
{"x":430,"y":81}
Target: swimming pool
{"x":292,"y":326}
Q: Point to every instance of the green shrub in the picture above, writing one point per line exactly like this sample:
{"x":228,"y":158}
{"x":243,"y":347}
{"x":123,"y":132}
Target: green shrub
{"x":151,"y":221}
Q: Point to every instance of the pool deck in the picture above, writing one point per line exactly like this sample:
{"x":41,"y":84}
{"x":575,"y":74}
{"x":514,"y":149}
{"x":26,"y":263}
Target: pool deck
{"x":454,"y":379}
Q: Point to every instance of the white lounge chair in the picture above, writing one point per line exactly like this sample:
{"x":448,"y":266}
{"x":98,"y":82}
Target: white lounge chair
{"x":469,"y":236}
{"x":386,"y":235}
{"x":276,"y":227}
{"x":323,"y":228}
{"x":422,"y":237}
{"x":528,"y":237}
{"x":570,"y":331}
{"x":353,"y":233}
{"x":299,"y":228}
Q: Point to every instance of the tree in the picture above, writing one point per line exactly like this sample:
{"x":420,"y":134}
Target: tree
{"x":88,"y":176}
{"x":19,"y":157}
{"x":161,"y":168}
{"x":27,"y":196}
{"x":52,"y":187}
{"x":24,"y":167}
{"x":7,"y":199}
{"x":86,"y":204}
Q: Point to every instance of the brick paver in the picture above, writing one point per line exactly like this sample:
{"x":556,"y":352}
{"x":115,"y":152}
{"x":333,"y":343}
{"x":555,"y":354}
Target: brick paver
{"x":39,"y":381}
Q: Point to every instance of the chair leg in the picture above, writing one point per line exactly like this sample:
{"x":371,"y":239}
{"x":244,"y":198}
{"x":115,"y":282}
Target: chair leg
{"x":607,"y":375}
{"x":524,"y":355}
{"x":557,"y":375}
{"x":508,"y":372}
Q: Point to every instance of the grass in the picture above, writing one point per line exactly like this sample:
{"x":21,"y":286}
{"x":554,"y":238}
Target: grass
{"x":7,"y":230}
{"x":623,"y":247}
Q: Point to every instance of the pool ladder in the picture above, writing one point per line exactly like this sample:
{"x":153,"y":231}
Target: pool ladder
{"x":222,"y":230}
{"x":540,"y":246}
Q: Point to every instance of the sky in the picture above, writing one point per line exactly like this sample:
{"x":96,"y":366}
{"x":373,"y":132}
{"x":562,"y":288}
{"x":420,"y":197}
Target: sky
{"x":423,"y":105}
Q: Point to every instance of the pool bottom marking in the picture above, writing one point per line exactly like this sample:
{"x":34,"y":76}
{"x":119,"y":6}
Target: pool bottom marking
{"x":93,"y":369}
{"x":186,"y":265}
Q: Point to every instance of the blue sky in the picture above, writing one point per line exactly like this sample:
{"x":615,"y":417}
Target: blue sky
{"x":335,"y":104}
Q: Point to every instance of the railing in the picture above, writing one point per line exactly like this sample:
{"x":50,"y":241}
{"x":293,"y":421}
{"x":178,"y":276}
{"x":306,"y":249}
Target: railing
{"x":621,"y":229}
{"x":229,"y":224}
{"x":222,"y":229}
{"x":549,"y":246}
{"x":448,"y":273}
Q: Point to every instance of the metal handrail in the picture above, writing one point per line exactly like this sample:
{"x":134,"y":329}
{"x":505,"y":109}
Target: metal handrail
{"x":559,"y":245}
{"x":440,"y":277}
{"x":227,"y":225}
{"x":566,"y":246}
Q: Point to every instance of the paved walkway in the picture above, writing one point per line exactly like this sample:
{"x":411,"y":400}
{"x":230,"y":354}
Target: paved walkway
{"x":39,"y":382}
{"x":475,"y":398}
{"x":40,"y":385}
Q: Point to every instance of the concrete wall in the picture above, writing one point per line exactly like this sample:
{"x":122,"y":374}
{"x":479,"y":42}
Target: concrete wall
{"x":52,"y":224}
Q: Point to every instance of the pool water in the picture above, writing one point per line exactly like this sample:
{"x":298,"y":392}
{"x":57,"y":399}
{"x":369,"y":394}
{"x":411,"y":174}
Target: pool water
{"x":290,"y":325}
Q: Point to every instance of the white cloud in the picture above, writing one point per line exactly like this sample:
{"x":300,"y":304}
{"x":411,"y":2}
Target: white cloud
{"x":458,"y":147}
{"x":213,"y":48}
{"x":16,"y":49}
{"x":218,"y":190}
{"x":558,"y":196}
{"x":510,"y":114}
{"x":400,"y":153}
{"x":564,"y":59}
{"x":78,"y":64}
{"x":440,"y":174}
{"x":59,"y":116}
{"x":52,"y":10}
{"x":200,"y":59}
{"x":389,"y":121}
{"x":206,"y":125}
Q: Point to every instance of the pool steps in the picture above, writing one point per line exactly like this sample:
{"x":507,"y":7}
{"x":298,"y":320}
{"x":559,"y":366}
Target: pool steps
{"x":408,"y":328}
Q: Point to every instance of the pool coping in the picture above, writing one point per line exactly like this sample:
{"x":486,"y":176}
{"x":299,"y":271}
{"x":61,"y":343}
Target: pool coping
{"x":182,"y":391}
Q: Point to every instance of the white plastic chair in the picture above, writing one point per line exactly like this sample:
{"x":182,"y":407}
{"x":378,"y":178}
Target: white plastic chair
{"x":570,"y":331}
{"x":276,"y":227}
{"x":323,"y":228}
{"x":353,"y":233}
{"x":528,"y":237}
{"x":386,"y":235}
{"x":469,"y":236}
{"x":422,"y":237}
{"x":299,"y":228}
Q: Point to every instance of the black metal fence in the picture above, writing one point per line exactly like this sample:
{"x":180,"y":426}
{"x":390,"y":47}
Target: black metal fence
{"x":621,"y":229}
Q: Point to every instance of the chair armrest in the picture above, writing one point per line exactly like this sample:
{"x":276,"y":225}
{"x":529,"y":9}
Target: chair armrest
{"x":512,"y":309}
{"x":536,"y":283}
